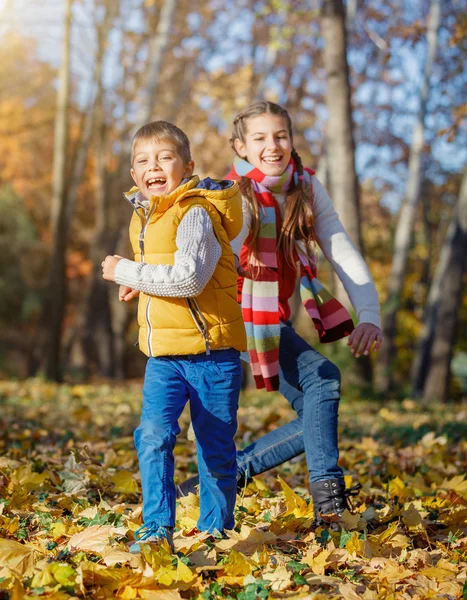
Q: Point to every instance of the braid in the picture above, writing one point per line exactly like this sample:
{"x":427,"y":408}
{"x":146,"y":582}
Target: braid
{"x":298,"y":223}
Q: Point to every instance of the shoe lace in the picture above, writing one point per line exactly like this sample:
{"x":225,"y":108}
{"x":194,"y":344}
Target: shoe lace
{"x":146,"y":531}
{"x":352,"y":491}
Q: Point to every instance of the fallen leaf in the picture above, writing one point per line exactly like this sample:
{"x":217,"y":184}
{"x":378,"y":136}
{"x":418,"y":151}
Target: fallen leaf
{"x":95,"y":538}
{"x":16,"y":556}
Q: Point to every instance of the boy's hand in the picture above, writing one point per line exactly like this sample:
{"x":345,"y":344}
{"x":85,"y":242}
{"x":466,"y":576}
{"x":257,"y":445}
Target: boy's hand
{"x":365,"y":338}
{"x":239,"y":268}
{"x":125,"y":293}
{"x":108,"y":267}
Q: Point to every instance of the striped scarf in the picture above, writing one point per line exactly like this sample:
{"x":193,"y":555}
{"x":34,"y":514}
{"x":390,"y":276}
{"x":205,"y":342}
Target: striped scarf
{"x":260,"y":294}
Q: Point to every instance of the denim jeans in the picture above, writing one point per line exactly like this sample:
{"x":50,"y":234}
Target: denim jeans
{"x":212,"y":384}
{"x":311,"y":385}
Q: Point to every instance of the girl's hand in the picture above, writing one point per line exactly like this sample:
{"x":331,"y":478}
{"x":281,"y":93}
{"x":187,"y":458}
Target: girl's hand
{"x":125,"y":293}
{"x":365,"y":338}
{"x":108,"y":267}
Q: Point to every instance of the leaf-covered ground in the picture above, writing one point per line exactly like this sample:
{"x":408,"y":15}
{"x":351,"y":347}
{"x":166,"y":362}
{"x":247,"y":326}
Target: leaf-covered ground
{"x":69,"y":504}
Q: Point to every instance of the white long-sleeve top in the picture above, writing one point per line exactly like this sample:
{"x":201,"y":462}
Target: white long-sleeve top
{"x":198,"y":253}
{"x":338,"y":249}
{"x":196,"y":258}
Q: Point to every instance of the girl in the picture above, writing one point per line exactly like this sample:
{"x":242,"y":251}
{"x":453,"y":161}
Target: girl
{"x":286,"y":214}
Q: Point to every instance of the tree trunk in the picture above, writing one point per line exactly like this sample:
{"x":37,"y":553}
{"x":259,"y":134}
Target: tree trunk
{"x":157,"y":51}
{"x":403,"y":236}
{"x":97,"y":339}
{"x":106,"y":328}
{"x":55,"y":297}
{"x":340,"y":144}
{"x":340,"y":141}
{"x":431,"y":369}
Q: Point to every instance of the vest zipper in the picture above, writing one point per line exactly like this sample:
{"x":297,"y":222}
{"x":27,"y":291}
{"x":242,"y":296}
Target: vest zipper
{"x":192,"y":304}
{"x":200,"y":321}
{"x":141,"y":247}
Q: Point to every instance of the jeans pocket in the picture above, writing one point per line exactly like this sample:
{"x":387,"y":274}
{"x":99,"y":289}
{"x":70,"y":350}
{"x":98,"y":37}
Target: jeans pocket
{"x":229,"y":370}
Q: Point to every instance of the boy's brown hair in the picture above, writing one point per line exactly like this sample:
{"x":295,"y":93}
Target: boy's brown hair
{"x":163,"y":130}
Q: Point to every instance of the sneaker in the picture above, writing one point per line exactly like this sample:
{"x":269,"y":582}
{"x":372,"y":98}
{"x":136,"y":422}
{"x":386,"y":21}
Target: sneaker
{"x":154,"y":534}
{"x":331,"y":499}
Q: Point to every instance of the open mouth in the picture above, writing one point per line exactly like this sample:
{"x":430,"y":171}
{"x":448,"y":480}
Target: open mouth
{"x":156,"y":182}
{"x":272,"y":160}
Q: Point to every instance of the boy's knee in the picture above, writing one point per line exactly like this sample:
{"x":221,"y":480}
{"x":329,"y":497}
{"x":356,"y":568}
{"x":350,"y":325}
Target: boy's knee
{"x":222,"y":465}
{"x":154,"y":436}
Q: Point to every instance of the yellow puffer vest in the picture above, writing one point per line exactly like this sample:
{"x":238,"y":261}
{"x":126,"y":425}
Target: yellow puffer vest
{"x":213,"y":319}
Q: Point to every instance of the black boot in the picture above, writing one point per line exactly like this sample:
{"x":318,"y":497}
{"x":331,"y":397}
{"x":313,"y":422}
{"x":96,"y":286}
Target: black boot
{"x":330,"y":499}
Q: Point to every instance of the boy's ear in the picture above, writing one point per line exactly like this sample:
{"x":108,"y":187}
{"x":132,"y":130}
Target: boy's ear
{"x":132,"y":173}
{"x":240,"y":148}
{"x":189,"y":169}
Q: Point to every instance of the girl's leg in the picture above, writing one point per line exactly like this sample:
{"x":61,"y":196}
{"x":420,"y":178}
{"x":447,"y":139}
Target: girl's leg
{"x":215,"y":388}
{"x":311,"y":384}
{"x":164,"y":396}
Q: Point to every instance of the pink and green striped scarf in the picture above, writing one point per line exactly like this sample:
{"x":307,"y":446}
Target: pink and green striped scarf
{"x":260,"y":294}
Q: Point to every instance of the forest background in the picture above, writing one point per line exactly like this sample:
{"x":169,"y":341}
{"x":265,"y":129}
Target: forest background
{"x":377,"y":95}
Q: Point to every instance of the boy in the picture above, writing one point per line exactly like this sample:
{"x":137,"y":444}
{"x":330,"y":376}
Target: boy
{"x":191,"y":326}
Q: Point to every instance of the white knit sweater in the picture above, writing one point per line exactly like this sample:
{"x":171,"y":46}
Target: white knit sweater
{"x":198,"y":253}
{"x":195,"y":260}
{"x":338,"y":249}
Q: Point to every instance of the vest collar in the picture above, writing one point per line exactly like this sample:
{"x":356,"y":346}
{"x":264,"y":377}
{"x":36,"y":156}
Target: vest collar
{"x":160,"y":204}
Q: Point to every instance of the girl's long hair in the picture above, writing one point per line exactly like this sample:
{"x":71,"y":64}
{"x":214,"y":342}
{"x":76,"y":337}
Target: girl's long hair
{"x":298,"y":222}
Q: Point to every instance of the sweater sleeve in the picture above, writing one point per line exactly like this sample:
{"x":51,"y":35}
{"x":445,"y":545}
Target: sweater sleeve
{"x":238,"y":242}
{"x":345,"y":259}
{"x":197,"y":255}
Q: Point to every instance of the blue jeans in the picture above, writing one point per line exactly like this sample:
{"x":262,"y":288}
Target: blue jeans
{"x":311,"y":385}
{"x":212,"y":384}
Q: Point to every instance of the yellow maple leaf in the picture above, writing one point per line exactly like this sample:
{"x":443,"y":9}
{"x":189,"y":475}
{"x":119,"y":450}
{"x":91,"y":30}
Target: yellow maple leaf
{"x":247,"y":541}
{"x":94,"y":538}
{"x":93,"y":574}
{"x":16,"y":556}
{"x":168,"y":574}
{"x":354,"y":545}
{"x":457,"y":483}
{"x":397,"y":487}
{"x":393,"y":572}
{"x":24,"y":478}
{"x":317,"y":563}
{"x":237,"y":565}
{"x":160,"y":594}
{"x":125,"y":483}
{"x":280,"y":578}
{"x":54,"y":573}
{"x":57,"y":530}
{"x":444,"y":569}
{"x":295,"y":505}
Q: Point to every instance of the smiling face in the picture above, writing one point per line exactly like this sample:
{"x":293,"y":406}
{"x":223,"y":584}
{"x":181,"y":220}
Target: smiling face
{"x":267,"y":145}
{"x":158,"y":168}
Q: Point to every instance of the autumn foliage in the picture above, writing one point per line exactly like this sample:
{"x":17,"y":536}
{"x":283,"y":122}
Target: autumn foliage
{"x":70,"y":503}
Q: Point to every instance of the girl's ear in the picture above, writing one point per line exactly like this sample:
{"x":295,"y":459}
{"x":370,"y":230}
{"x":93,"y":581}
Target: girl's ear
{"x":189,"y":169}
{"x":240,"y":148}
